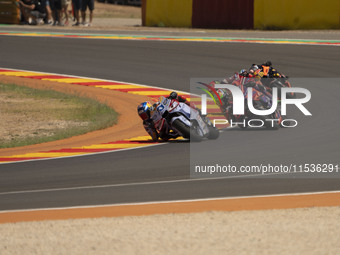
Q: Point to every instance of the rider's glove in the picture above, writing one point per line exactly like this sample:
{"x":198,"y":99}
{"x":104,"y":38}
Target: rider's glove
{"x":148,"y":123}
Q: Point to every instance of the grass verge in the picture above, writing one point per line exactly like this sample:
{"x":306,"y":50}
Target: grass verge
{"x":30,"y":116}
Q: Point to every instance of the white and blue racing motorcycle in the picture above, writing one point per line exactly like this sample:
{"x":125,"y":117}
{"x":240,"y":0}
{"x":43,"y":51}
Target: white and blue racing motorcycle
{"x":184,"y":120}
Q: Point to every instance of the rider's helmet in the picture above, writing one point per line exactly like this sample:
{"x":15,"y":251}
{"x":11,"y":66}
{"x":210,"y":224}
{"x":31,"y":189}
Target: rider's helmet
{"x":173,"y":95}
{"x":253,"y":69}
{"x":267,"y":63}
{"x":144,"y":110}
{"x":243,"y":72}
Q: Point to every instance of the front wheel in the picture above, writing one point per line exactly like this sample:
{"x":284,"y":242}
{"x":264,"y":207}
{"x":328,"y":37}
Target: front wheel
{"x":187,"y":132}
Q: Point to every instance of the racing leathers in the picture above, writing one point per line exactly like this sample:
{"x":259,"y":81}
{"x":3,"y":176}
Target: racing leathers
{"x":174,"y":95}
{"x":256,"y":82}
{"x":247,"y":80}
{"x":269,"y":72}
{"x":242,"y":80}
{"x":157,"y":126}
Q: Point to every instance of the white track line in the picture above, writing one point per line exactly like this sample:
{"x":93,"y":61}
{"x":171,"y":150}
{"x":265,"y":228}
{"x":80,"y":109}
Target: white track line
{"x":83,"y":155}
{"x":174,"y":201}
{"x":141,"y":183}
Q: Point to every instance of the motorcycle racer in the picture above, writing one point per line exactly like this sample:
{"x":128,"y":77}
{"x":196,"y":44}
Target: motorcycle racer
{"x":271,"y":77}
{"x":237,"y":76}
{"x":268,"y":71}
{"x":174,"y":95}
{"x":244,"y":79}
{"x":153,"y":123}
{"x":236,"y":79}
{"x":257,"y":73}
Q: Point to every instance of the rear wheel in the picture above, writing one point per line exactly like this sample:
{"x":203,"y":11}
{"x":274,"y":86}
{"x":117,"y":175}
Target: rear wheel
{"x":213,"y":133}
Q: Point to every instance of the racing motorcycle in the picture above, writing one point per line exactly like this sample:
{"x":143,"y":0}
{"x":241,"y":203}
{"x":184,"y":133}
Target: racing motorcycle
{"x":186,"y":121}
{"x":261,"y":101}
{"x":278,"y":82}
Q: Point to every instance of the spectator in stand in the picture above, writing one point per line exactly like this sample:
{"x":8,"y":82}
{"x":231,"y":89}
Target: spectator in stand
{"x":90,"y":4}
{"x":33,"y":11}
{"x":76,"y":9}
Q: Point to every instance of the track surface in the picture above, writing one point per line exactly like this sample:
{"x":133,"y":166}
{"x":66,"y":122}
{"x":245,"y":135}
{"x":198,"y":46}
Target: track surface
{"x":162,"y":172}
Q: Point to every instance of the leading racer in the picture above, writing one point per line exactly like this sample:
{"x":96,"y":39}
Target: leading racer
{"x":153,"y":123}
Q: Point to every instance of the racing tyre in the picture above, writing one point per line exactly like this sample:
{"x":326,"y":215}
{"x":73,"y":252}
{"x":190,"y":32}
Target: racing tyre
{"x":187,"y":132}
{"x":213,"y":133}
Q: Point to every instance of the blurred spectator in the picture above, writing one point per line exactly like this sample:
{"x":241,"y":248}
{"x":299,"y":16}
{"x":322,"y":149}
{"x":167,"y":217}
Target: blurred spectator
{"x":64,"y":7}
{"x":90,"y":4}
{"x":56,"y":10}
{"x":48,"y":19}
{"x":33,"y":11}
{"x":76,"y":8}
{"x":25,"y":12}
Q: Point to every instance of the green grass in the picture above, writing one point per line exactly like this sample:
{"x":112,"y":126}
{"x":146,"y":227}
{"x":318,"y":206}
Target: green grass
{"x":21,"y":108}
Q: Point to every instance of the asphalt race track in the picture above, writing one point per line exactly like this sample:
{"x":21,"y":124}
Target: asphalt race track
{"x":162,"y":172}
